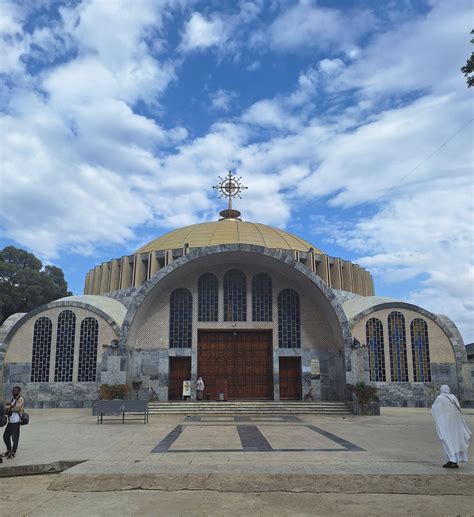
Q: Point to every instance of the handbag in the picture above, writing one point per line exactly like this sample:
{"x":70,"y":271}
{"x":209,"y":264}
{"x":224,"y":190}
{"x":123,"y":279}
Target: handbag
{"x":24,"y":418}
{"x":3,"y":420}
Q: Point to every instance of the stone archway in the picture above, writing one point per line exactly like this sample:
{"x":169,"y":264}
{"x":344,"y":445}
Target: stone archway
{"x":148,"y":295}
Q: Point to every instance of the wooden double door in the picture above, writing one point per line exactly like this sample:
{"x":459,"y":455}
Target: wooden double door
{"x":238,"y":364}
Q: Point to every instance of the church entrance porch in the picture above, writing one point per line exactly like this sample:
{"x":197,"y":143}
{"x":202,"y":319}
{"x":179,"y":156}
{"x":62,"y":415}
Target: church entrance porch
{"x":238,"y":364}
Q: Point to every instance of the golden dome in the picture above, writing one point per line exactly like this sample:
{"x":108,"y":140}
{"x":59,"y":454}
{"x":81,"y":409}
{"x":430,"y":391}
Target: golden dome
{"x":228,"y":231}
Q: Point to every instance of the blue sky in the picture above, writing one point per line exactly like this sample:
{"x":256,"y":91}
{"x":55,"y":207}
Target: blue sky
{"x":117,"y":117}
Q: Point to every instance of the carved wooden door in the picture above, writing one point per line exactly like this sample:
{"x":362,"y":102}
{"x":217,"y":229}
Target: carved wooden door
{"x":236,"y":363}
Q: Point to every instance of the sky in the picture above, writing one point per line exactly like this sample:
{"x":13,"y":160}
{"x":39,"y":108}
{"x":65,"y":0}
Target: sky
{"x":349,"y":121}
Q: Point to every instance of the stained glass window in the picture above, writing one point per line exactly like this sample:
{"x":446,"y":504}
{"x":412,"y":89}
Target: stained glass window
{"x":374,"y":340}
{"x":289,"y":334}
{"x":235,"y":296}
{"x":208,"y":288}
{"x":181,"y":318}
{"x":65,"y":347}
{"x":42,"y":333}
{"x":398,"y":347}
{"x":88,"y":350}
{"x":261,"y":297}
{"x":420,"y":350}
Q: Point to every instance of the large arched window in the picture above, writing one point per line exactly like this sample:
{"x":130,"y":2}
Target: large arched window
{"x":88,"y":350}
{"x":208,"y":289}
{"x":261,"y":297}
{"x":41,"y":350}
{"x":235,"y":296}
{"x":181,"y":318}
{"x":289,"y":335}
{"x":420,"y":350}
{"x":398,"y":347}
{"x":374,"y":340}
{"x":65,"y":347}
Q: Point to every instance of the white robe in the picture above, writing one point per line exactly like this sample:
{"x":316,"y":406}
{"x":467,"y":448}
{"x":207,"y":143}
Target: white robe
{"x":451,"y":427}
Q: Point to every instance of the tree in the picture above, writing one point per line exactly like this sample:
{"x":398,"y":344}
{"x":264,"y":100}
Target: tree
{"x":468,"y":68}
{"x":25,"y":284}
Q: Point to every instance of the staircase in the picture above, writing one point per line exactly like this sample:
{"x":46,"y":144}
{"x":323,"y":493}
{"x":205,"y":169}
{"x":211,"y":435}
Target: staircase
{"x":248,"y":408}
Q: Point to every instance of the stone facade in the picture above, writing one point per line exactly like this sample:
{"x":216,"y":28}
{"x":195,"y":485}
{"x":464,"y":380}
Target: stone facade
{"x":133,"y":346}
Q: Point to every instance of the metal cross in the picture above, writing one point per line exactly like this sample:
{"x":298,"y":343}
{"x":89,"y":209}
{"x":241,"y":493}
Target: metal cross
{"x":230,"y":187}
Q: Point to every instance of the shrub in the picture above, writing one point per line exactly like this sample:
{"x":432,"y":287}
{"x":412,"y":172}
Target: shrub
{"x":113,"y":391}
{"x":364,"y":392}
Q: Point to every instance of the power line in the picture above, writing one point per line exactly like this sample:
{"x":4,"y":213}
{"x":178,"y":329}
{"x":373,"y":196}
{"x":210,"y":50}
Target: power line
{"x":435,"y":151}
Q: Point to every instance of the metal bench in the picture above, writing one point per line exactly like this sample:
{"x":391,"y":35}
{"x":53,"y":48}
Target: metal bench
{"x":120,"y":407}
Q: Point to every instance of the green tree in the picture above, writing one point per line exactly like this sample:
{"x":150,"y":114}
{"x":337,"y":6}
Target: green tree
{"x":468,"y":68}
{"x":25,"y":284}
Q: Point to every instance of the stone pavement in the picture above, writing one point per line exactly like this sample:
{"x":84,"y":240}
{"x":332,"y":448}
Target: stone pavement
{"x":397,"y":455}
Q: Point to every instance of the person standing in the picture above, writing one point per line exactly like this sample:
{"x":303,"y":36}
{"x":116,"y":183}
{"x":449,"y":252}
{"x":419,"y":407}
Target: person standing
{"x":14,"y":410}
{"x":200,"y":388}
{"x":451,"y":427}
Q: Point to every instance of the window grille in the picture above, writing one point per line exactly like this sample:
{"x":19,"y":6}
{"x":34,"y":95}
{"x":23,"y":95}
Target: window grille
{"x":65,"y":347}
{"x":88,"y":350}
{"x":208,"y":293}
{"x":235,"y":296}
{"x":375,"y":343}
{"x":289,"y":321}
{"x":41,"y":355}
{"x":420,"y":350}
{"x":181,"y":318}
{"x":261,"y":297}
{"x":398,"y":347}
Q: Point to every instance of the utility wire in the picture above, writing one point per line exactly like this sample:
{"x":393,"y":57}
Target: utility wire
{"x":435,"y":151}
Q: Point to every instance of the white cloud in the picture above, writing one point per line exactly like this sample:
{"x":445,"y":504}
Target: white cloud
{"x":305,"y":25}
{"x":201,"y":33}
{"x":222,"y":99}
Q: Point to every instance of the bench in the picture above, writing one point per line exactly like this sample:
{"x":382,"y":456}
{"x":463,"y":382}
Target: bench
{"x":120,"y":407}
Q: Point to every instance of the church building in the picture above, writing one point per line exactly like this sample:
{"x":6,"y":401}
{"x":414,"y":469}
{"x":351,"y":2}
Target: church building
{"x":257,"y":312}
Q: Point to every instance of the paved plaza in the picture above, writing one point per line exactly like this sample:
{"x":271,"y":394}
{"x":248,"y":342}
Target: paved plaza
{"x":307,"y":458}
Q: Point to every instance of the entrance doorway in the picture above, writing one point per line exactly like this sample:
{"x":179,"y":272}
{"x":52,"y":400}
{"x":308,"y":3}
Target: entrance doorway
{"x":290,"y":378}
{"x":180,"y":370}
{"x":236,"y":364}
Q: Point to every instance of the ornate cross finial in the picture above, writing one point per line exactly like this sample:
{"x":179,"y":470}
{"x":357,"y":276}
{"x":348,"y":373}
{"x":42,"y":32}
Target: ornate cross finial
{"x":230,"y":187}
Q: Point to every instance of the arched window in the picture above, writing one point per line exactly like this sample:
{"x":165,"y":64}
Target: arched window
{"x":88,"y":350}
{"x":398,"y":347}
{"x":65,"y":347}
{"x":374,"y":340}
{"x":420,"y":350}
{"x":261,"y":297}
{"x":41,"y":350}
{"x":235,"y":296}
{"x":181,"y":318}
{"x":208,"y":289}
{"x":289,"y":319}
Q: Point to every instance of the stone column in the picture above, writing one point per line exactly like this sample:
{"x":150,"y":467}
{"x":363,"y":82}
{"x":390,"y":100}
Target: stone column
{"x":114,"y":275}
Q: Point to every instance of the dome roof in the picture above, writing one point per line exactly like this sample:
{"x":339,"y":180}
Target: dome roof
{"x":228,"y":231}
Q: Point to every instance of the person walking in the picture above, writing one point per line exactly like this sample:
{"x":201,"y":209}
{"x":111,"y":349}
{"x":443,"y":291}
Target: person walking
{"x":451,"y":427}
{"x":14,"y":410}
{"x":200,"y":388}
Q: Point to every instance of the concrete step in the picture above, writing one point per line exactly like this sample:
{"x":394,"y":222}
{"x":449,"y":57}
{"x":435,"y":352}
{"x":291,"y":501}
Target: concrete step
{"x":248,"y":408}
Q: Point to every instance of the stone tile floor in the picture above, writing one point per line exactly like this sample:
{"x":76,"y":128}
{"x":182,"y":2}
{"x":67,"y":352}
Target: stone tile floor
{"x":400,"y":441}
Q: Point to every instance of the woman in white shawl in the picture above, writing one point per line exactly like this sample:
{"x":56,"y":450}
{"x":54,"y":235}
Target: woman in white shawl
{"x":451,"y":427}
{"x":200,"y":388}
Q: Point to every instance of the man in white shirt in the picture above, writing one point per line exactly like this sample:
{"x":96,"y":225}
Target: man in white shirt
{"x":14,"y":409}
